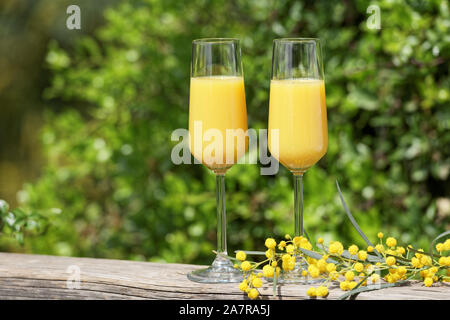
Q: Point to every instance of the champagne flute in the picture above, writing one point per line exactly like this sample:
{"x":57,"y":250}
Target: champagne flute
{"x":217,"y":110}
{"x":297,"y":109}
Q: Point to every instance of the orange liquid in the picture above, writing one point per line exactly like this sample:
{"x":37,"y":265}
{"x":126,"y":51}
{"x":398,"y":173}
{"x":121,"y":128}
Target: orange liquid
{"x":298,"y":110}
{"x":217,"y":103}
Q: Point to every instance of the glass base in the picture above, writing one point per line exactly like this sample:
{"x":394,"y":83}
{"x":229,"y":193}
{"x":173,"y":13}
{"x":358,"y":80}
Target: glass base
{"x":221,"y":271}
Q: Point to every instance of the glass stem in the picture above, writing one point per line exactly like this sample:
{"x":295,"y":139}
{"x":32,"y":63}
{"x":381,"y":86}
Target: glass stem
{"x":298,"y":204}
{"x":221,"y":214}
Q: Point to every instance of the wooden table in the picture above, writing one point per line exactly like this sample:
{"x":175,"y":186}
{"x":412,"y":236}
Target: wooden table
{"x":26,"y":276}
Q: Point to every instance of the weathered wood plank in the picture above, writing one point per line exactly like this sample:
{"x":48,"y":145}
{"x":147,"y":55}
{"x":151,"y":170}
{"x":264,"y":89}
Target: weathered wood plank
{"x":24,"y":276}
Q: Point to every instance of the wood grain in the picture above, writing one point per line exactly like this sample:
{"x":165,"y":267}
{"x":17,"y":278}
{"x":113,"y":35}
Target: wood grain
{"x":24,"y":276}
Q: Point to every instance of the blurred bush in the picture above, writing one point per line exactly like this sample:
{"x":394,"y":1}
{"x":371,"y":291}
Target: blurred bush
{"x":108,"y":159}
{"x":26,"y":26}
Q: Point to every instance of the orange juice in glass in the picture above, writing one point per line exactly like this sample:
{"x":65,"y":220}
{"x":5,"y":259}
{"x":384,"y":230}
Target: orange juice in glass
{"x":218,"y":104}
{"x":297,"y":109}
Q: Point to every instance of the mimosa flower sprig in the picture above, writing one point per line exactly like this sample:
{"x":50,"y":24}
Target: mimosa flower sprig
{"x":355,"y":270}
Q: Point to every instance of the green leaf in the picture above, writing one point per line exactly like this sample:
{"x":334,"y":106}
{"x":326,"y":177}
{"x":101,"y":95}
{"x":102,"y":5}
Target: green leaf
{"x":446,"y":233}
{"x":311,"y":254}
{"x":4,"y":207}
{"x":353,"y":221}
{"x":353,"y":296}
{"x":306,"y":235}
{"x":19,"y":238}
{"x":347,"y":255}
{"x":316,"y":255}
{"x":372,"y":288}
{"x":398,"y":259}
{"x":423,"y":252}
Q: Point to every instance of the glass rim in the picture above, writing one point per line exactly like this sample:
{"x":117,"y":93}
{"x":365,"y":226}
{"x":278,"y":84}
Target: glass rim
{"x":215,"y":40}
{"x":299,"y":40}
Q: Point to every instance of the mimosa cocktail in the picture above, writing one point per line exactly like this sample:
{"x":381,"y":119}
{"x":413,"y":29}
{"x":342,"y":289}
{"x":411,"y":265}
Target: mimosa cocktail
{"x":297,"y":113}
{"x":217,"y":117}
{"x":297,"y":109}
{"x":218,"y":103}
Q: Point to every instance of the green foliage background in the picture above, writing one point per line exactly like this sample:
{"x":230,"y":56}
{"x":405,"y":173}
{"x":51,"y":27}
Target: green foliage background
{"x":124,"y":90}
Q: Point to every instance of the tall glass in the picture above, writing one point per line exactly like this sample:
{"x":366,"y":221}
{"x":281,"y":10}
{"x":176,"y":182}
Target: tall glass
{"x":218,"y":131}
{"x":297,"y":109}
